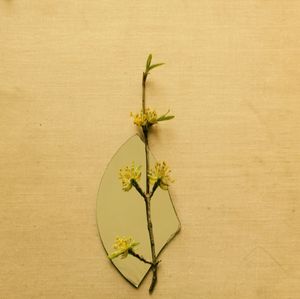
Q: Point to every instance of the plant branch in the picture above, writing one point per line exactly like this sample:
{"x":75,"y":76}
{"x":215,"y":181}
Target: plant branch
{"x":154,"y":188}
{"x":145,"y":74}
{"x":147,"y":198}
{"x":152,"y":244}
{"x":138,"y":188}
{"x":145,"y":131}
{"x":130,"y":251}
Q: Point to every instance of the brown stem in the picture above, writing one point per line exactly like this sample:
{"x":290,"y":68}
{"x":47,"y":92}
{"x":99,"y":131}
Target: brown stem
{"x":148,"y":197}
{"x":154,"y":278}
{"x":154,"y":188}
{"x":152,"y":243}
{"x":145,"y":74}
{"x":141,"y":258}
{"x":138,"y":188}
{"x":145,"y":131}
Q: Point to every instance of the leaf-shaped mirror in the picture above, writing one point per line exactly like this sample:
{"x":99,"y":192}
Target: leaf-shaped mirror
{"x":122,"y":213}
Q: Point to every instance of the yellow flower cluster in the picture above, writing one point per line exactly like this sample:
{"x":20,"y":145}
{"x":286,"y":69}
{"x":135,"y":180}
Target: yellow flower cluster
{"x":160,"y":174}
{"x":122,"y":245}
{"x":145,"y":119}
{"x":129,"y":174}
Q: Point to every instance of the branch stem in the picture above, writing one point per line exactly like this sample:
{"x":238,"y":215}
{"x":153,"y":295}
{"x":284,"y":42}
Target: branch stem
{"x":145,"y":74}
{"x":152,"y":244}
{"x":138,"y":188}
{"x":145,"y":131}
{"x":141,"y":258}
{"x":148,"y":195}
{"x":154,"y":188}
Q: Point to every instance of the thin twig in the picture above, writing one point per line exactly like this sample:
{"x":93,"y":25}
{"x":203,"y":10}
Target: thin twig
{"x":147,"y":199}
{"x":138,"y":188}
{"x":141,"y":258}
{"x":154,"y":188}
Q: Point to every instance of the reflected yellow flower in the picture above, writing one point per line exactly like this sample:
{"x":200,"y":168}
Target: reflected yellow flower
{"x":129,"y":174}
{"x":122,"y":246}
{"x":160,"y":174}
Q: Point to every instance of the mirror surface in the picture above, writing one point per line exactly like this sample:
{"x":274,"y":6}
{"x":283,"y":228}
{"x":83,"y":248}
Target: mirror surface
{"x":122,"y":213}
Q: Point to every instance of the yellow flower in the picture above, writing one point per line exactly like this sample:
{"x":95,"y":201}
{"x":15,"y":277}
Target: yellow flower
{"x":161,"y":175}
{"x":122,"y":246}
{"x":129,"y":174}
{"x":145,"y":119}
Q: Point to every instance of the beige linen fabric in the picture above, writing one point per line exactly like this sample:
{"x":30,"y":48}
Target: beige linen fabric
{"x":70,"y":74}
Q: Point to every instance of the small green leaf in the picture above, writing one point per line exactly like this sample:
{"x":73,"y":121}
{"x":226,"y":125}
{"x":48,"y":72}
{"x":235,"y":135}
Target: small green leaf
{"x":155,"y":65}
{"x":148,"y":63}
{"x":114,"y":254}
{"x":164,"y":115}
{"x":162,"y":118}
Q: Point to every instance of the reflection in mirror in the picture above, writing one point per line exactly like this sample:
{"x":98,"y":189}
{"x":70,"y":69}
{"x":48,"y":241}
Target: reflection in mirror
{"x":122,"y":213}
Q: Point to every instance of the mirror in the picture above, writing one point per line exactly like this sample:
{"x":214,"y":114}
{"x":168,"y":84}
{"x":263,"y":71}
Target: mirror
{"x":122,"y":213}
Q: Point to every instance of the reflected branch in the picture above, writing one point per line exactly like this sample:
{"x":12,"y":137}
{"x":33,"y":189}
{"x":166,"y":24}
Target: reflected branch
{"x":154,"y":188}
{"x":138,"y":188}
{"x":141,"y":258}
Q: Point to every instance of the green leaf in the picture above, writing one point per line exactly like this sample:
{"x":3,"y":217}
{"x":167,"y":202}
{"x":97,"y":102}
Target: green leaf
{"x":155,"y":65}
{"x":115,"y":254}
{"x":163,"y":117}
{"x":134,"y":244}
{"x":148,"y":63}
